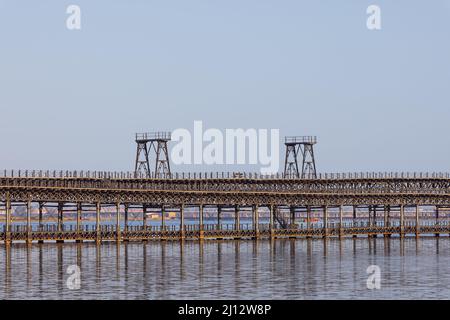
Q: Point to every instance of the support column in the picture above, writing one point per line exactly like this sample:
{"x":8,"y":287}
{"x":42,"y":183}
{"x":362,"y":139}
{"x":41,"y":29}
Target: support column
{"x":41,"y":207}
{"x":388,"y":219}
{"x":163,"y":222}
{"x":60,"y":213}
{"x":219,"y":213}
{"x":126,"y":217}
{"x":253,"y":217}
{"x":79,"y":210}
{"x":271,"y":221}
{"x":118,"y":233}
{"x":341,"y":230}
{"x":325,"y":221}
{"x":97,"y":222}
{"x":417,"y":222}
{"x":437,"y":221}
{"x":78,"y":217}
{"x":292,"y":218}
{"x":200,"y":221}
{"x":385,"y":220}
{"x":237,"y":221}
{"x":144,"y":217}
{"x":437,"y":215}
{"x":354,"y":219}
{"x":182,"y":222}
{"x":389,"y":215}
{"x":8,"y":219}
{"x":308,"y":219}
{"x":60,"y":220}
{"x":40,"y":226}
{"x":256,"y":217}
{"x":402,"y":216}
{"x":29,"y":221}
{"x":374,"y":220}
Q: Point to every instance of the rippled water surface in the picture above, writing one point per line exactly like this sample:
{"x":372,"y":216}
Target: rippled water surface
{"x":281,"y":269}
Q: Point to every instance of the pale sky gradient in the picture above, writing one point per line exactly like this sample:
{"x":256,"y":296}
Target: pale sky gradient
{"x":377,"y":100}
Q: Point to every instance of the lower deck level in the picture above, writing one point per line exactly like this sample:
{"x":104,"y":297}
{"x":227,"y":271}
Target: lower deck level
{"x":194,"y":232}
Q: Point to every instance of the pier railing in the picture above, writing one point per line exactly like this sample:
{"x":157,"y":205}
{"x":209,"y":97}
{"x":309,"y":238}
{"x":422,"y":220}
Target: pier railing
{"x":216,"y":175}
{"x":118,"y":233}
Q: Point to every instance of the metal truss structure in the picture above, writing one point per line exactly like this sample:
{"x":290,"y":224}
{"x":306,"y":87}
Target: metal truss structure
{"x":314,"y":206}
{"x":295,"y":146}
{"x":155,"y":143}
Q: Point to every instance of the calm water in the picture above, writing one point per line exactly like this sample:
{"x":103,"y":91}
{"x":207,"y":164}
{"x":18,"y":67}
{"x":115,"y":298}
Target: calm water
{"x":282,"y":269}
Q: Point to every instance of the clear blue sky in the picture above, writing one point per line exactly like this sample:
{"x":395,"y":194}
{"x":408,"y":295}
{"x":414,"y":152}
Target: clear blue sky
{"x":377,"y":100}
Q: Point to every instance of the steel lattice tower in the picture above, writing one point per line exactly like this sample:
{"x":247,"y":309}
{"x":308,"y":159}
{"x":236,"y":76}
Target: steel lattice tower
{"x":300,"y":145}
{"x":142,"y":165}
{"x":156,"y":142}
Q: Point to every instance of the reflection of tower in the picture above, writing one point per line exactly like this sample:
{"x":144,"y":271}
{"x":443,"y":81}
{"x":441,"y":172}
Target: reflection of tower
{"x":148,"y":142}
{"x":304,"y":144}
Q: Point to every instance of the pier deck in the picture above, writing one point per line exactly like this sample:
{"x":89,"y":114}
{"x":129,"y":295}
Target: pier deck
{"x":328,"y":205}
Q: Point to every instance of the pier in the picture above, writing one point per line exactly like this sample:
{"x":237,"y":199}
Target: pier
{"x":271,"y":206}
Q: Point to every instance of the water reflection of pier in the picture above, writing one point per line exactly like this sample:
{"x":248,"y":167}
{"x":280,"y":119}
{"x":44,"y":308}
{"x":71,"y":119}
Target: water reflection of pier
{"x":142,"y":267}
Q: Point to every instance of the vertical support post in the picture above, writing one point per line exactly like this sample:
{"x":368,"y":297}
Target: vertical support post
{"x":253,"y":217}
{"x":437,"y":221}
{"x":292,"y":218}
{"x":60,"y":221}
{"x":385,"y":220}
{"x":389,"y":215}
{"x":182,"y":221}
{"x":163,"y":222}
{"x":256,"y":217}
{"x":219,"y":213}
{"x":271,"y":208}
{"x":79,"y":208}
{"x":79,"y":226}
{"x":370,"y":216}
{"x":60,"y":213}
{"x":388,"y":220}
{"x":28,"y":221}
{"x":97,"y":222}
{"x":200,"y":221}
{"x":237,"y":221}
{"x":374,"y":219}
{"x":118,"y":235}
{"x":375,"y":215}
{"x":341,"y":230}
{"x":402,"y":217}
{"x":437,"y":215}
{"x":325,"y":221}
{"x":8,"y":219}
{"x":41,"y":207}
{"x":144,"y":217}
{"x":308,"y":218}
{"x":417,"y":222}
{"x":125,"y":227}
{"x":40,"y":226}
